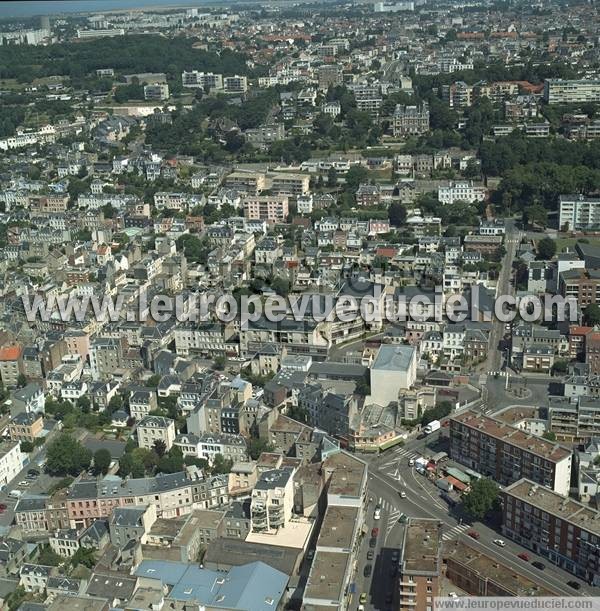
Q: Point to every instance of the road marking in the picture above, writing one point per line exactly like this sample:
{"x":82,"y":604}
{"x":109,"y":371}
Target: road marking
{"x":454,"y":532}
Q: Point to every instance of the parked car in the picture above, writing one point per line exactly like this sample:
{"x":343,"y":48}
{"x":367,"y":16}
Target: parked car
{"x":574,"y":584}
{"x":372,"y":542}
{"x":403,"y":518}
{"x":473,"y":534}
{"x":411,"y":462}
{"x":370,"y":554}
{"x":402,"y":494}
{"x":24,"y":483}
{"x":499,"y":542}
{"x":377,"y":513}
{"x":523,"y":556}
{"x":33,"y":472}
{"x":395,"y":556}
{"x":538,"y":565}
{"x":375,"y":532}
{"x":363,"y":598}
{"x":368,"y":570}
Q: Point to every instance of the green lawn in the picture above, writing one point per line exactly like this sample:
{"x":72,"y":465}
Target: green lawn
{"x":563,"y":243}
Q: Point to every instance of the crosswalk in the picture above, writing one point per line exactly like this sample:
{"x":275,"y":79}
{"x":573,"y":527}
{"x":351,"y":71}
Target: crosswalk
{"x":454,"y":532}
{"x":399,"y":455}
{"x":500,"y":374}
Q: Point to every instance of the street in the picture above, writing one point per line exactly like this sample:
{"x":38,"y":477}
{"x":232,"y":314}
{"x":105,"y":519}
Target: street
{"x":389,"y":474}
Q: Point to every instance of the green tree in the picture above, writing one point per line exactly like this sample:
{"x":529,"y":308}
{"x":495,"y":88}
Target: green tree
{"x":84,"y":556}
{"x":21,"y":380}
{"x":546,"y":249}
{"x":27,"y":446}
{"x":48,"y":557}
{"x":355,"y":176}
{"x":221,"y":465}
{"x":482,"y":498}
{"x":397,"y":214}
{"x":536,"y":215}
{"x":66,"y":456}
{"x":257,"y":446}
{"x":102,"y":460}
{"x":332,"y":177}
{"x":549,"y":435}
{"x":591,"y":315}
{"x":160,"y":447}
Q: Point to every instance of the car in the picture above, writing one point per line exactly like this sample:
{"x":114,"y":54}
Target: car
{"x":389,"y":597}
{"x":363,"y":598}
{"x":395,"y":556}
{"x":393,"y":570}
{"x":453,"y":595}
{"x":361,"y":608}
{"x":473,"y":534}
{"x":538,"y":565}
{"x":368,"y":570}
{"x":411,"y":462}
{"x":375,"y":532}
{"x":372,"y":543}
{"x":3,"y":506}
{"x":523,"y":556}
{"x":403,"y":518}
{"x":33,"y":472}
{"x":370,"y":554}
{"x":499,"y":542}
{"x":446,"y":423}
{"x":311,"y":554}
{"x":402,"y":494}
{"x":574,"y":584}
{"x":24,"y":483}
{"x":377,"y":513}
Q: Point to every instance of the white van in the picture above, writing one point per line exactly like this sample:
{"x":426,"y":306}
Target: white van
{"x":15,"y":494}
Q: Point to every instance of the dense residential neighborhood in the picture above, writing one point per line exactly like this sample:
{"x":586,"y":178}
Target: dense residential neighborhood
{"x":299,"y":304}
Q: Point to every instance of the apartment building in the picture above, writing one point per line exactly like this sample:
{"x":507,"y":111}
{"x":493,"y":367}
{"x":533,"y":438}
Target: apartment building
{"x":250,"y":182}
{"x":580,"y":284}
{"x":563,"y":91}
{"x":558,"y":528}
{"x":420,"y":564}
{"x":290,"y":184}
{"x":461,"y":191}
{"x":579,"y":213}
{"x":506,"y":453}
{"x":410,"y":120}
{"x":574,"y":419}
{"x":272,"y":209}
{"x":26,"y":426}
{"x":235,"y":84}
{"x":202,"y":80}
{"x":156,"y":428}
{"x":329,"y":75}
{"x":106,"y":355}
{"x":272,"y":500}
{"x":156,"y":92}
{"x":210,"y":339}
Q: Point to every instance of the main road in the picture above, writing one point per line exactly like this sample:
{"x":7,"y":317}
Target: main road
{"x":389,"y":476}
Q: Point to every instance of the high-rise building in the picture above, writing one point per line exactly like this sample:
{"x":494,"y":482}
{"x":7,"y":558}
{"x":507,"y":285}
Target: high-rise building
{"x":561,"y":91}
{"x":579,"y":213}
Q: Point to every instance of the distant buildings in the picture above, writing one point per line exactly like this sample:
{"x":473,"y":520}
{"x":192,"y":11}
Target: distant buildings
{"x":461,"y":191}
{"x":157,"y":92}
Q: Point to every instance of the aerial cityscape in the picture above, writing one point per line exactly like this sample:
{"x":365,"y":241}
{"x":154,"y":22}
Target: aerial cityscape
{"x":299,"y":305}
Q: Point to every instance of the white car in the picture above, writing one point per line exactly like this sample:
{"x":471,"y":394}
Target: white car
{"x":24,"y":484}
{"x":411,"y":462}
{"x":499,"y":542}
{"x":402,"y":494}
{"x":377,"y":514}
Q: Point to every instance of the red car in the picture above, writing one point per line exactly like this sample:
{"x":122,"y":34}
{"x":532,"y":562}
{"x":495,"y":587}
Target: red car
{"x":474,"y":534}
{"x":3,"y":507}
{"x":523,"y":556}
{"x":375,"y":532}
{"x":446,"y":423}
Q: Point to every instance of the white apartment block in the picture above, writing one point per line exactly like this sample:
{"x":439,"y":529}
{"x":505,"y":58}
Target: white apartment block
{"x":273,"y":209}
{"x":560,"y":91}
{"x":461,"y":192}
{"x":202,"y":80}
{"x":579,"y":213}
{"x":272,"y":500}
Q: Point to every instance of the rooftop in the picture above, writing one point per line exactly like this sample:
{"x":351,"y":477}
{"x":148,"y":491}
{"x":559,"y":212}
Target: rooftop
{"x":565,"y":508}
{"x":512,"y":435}
{"x":421,"y":546}
{"x":326,"y":578}
{"x":394,"y":358}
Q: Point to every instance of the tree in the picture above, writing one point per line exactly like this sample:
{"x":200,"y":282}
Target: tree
{"x":84,"y":403}
{"x":549,"y":435}
{"x":21,"y":380}
{"x":221,"y":465}
{"x":482,"y":498}
{"x":257,"y":446}
{"x":536,"y":215}
{"x":48,"y":557}
{"x":86,"y":556}
{"x":546,"y":249}
{"x":66,"y":456}
{"x":332,"y":177}
{"x":27,"y":446}
{"x":591,"y":315}
{"x":102,"y":460}
{"x":160,"y":447}
{"x":152,"y":381}
{"x":397,"y":214}
{"x":355,"y":176}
